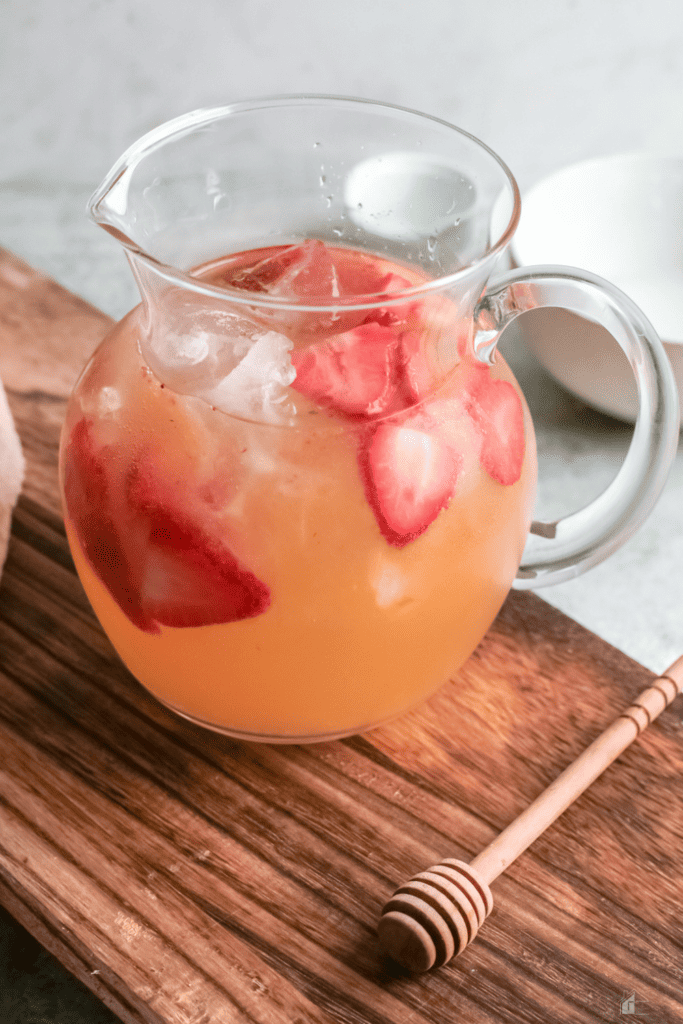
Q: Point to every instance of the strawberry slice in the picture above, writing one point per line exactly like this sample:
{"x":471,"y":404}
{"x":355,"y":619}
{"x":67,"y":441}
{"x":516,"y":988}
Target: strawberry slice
{"x":415,"y":371}
{"x":362,"y":274}
{"x":351,"y":373}
{"x":187,"y":577}
{"x":89,"y":503}
{"x":496,"y":411}
{"x":160,"y":566}
{"x":398,"y":315}
{"x":409,"y":475}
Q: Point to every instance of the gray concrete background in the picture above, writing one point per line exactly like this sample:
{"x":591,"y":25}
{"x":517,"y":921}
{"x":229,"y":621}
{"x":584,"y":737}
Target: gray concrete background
{"x":543,"y":82}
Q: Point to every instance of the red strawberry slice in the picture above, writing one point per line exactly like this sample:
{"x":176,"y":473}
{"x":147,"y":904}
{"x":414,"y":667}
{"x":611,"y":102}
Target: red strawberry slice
{"x":496,"y":411}
{"x":189,"y":581}
{"x":351,"y":373}
{"x":409,"y":475}
{"x":158,"y":564}
{"x":415,"y":370}
{"x":362,"y":274}
{"x":188,"y":578}
{"x":89,"y":504}
{"x":398,"y":315}
{"x":392,"y":282}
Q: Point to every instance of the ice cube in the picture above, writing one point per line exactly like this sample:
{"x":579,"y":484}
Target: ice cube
{"x":189,"y":348}
{"x":102,"y":404}
{"x":109,"y":401}
{"x":316,"y":274}
{"x":257,"y":387}
{"x":389,"y":582}
{"x":291,"y":272}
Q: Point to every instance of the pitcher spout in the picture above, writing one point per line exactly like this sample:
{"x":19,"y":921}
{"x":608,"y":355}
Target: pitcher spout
{"x":108,"y":206}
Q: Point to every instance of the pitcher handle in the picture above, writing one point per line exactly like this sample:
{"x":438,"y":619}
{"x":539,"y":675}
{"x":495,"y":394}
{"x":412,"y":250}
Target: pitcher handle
{"x":559,"y":550}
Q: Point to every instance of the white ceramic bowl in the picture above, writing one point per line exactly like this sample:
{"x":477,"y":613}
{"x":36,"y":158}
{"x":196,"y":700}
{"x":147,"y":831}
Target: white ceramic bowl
{"x":620,"y":217}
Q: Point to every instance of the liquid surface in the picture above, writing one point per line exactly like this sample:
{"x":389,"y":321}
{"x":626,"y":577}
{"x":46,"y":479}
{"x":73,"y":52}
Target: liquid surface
{"x":294,"y":525}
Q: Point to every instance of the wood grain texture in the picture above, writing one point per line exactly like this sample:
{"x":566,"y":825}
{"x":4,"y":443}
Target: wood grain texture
{"x":190,"y":879}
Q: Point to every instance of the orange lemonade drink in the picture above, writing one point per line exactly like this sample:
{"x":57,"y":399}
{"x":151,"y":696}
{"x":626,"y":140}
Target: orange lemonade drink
{"x":306,"y":553}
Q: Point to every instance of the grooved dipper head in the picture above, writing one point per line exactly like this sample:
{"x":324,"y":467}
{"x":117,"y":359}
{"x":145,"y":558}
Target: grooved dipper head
{"x":434,"y":916}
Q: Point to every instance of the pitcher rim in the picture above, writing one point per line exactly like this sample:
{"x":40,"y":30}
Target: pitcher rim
{"x":194,"y":119}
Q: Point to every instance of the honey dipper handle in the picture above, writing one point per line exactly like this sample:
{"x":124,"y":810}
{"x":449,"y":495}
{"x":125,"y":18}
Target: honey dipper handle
{"x":561,"y":793}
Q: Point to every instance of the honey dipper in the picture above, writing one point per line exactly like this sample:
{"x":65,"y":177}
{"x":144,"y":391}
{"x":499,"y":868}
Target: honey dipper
{"x":435,"y":915}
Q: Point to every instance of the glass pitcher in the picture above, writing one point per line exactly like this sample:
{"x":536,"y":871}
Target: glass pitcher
{"x":298,"y":479}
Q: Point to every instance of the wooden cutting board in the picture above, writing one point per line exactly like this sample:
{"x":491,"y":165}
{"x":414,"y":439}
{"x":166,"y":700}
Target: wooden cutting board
{"x":190,"y":879}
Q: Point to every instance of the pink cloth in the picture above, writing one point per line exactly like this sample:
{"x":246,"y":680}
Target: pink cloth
{"x":12,"y":468}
